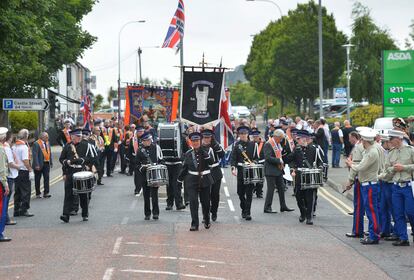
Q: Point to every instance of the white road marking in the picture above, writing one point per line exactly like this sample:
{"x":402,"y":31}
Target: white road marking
{"x":346,"y":207}
{"x":182,"y":246}
{"x":117,"y":245}
{"x":133,"y":205}
{"x":226,"y":191}
{"x":108,"y":273}
{"x":17,"y":265}
{"x":333,"y":203}
{"x":174,"y":258}
{"x":125,"y":220}
{"x":231,"y":206}
{"x":223,"y":180}
{"x":171,"y":273}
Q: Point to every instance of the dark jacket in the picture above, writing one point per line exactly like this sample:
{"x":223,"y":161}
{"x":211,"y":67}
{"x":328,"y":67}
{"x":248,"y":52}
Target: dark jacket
{"x":306,"y":157}
{"x":195,"y":171}
{"x":217,"y":153}
{"x":148,"y":155}
{"x":273,"y":165}
{"x":84,"y":159}
{"x":38,"y":157}
{"x":237,"y":159}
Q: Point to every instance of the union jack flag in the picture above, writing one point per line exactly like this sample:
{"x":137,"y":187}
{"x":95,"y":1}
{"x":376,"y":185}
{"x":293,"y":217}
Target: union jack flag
{"x":223,"y":130}
{"x":176,"y":29}
{"x":85,"y":107}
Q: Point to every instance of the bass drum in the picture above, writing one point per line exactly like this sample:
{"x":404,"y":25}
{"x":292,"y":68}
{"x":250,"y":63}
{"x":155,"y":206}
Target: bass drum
{"x":170,"y":140}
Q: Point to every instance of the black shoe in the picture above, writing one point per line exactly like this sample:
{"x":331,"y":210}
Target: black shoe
{"x":73,"y":213}
{"x":11,"y":223}
{"x":65,"y":218}
{"x":243,"y":215}
{"x":5,"y":239}
{"x":194,"y":228}
{"x":47,"y":195}
{"x":129,"y":174}
{"x":248,"y":217}
{"x":109,"y":175}
{"x":353,"y":235}
{"x":401,"y":243}
{"x":207,"y":225}
{"x":38,"y":196}
{"x":187,"y":203}
{"x":181,"y":207}
{"x":309,"y":222}
{"x":350,"y":213}
{"x":27,"y":214}
{"x":269,"y":211}
{"x":147,"y":218}
{"x":286,"y":209}
{"x":121,"y":172}
{"x":259,"y":196}
{"x":100,"y":183}
{"x":369,"y":241}
{"x":214,"y":216}
{"x":391,"y":238}
{"x":155,"y":217}
{"x":85,"y":219}
{"x":302,"y":219}
{"x":169,"y":207}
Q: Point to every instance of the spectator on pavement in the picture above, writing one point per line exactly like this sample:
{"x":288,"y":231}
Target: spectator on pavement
{"x":13,"y":171}
{"x":23,"y":188}
{"x":337,"y":141}
{"x":42,"y":163}
{"x":4,"y":187}
{"x":346,"y":130}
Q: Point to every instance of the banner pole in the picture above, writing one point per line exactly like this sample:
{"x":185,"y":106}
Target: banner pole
{"x":181,"y":71}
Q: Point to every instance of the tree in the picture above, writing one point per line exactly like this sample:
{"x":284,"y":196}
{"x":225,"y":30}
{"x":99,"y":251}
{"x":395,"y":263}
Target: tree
{"x":283,"y":60}
{"x":369,"y":41}
{"x":97,"y":105}
{"x":245,"y":94}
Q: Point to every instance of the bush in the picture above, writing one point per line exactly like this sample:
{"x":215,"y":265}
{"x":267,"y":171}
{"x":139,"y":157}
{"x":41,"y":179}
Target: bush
{"x":19,"y":120}
{"x":366,"y":116}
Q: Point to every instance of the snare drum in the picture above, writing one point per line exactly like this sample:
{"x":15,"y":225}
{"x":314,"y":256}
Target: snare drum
{"x":170,"y":140}
{"x":157,"y":175}
{"x":310,"y":178}
{"x":253,"y":173}
{"x":83,"y":182}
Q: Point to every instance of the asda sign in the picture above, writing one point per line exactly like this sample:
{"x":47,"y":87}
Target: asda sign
{"x":398,"y":83}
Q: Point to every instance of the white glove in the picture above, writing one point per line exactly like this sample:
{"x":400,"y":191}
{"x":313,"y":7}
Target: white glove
{"x":31,"y":175}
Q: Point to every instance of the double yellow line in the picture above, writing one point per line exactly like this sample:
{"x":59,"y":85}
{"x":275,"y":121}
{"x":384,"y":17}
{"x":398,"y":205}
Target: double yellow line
{"x":340,"y":205}
{"x":33,"y":194}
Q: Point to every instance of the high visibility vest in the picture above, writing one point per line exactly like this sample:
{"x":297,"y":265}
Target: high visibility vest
{"x":107,"y":133}
{"x":46,"y":152}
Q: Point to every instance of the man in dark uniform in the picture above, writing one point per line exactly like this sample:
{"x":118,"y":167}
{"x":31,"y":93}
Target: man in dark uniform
{"x":148,"y":154}
{"x":186,"y":147}
{"x":244,"y":152}
{"x":134,"y":145}
{"x":305,"y":156}
{"x":195,"y":173}
{"x":75,"y":158}
{"x":217,"y":153}
{"x":260,"y":143}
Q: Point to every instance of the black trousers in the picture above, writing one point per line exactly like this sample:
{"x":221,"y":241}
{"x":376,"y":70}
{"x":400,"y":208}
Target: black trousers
{"x":151,"y":196}
{"x":259,"y":189}
{"x":124,"y":163}
{"x":107,"y":156}
{"x":45,"y":171}
{"x":186,"y":195}
{"x":23,"y":191}
{"x":275,"y":182}
{"x":306,"y":201}
{"x":194,"y":193}
{"x":173,"y":188}
{"x":100,"y":167}
{"x":68,"y":201}
{"x":131,"y":165}
{"x":215,"y":196}
{"x":137,"y":181}
{"x":245,"y":193}
{"x":113,"y":160}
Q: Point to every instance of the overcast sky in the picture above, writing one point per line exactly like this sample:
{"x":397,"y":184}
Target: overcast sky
{"x":219,"y":28}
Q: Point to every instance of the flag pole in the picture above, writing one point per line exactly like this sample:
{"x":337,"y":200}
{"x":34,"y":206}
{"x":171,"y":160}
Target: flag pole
{"x":181,"y":70}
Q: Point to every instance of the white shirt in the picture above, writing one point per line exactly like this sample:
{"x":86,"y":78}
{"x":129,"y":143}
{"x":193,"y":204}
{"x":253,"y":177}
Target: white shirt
{"x":341,"y":134}
{"x":327,"y":133}
{"x":10,"y":158}
{"x":22,"y":153}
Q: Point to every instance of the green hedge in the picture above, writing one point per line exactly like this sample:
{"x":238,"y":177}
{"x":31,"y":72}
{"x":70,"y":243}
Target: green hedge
{"x":19,"y":120}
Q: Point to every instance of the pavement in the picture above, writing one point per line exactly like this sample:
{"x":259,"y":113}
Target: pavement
{"x":116,"y":242}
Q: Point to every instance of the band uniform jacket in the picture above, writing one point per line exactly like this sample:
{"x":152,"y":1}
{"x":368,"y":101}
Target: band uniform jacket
{"x":306,"y":157}
{"x":274,"y":166}
{"x":217,"y":153}
{"x":84,"y":161}
{"x":131,"y":154}
{"x":237,"y":159}
{"x":150,"y":155}
{"x":195,"y":171}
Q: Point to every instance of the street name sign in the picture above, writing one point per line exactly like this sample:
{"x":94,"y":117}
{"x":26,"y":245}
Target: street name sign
{"x":25,"y":104}
{"x":398,"y":83}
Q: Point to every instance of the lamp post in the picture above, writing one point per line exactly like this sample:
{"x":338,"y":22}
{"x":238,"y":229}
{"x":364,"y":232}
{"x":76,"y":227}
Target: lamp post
{"x":119,"y":63}
{"x":348,"y":78}
{"x":320,"y":59}
{"x":138,"y":66}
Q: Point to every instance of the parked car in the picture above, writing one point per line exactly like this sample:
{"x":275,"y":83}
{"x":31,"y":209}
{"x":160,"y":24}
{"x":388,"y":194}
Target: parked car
{"x":240,"y":112}
{"x":382,"y":125}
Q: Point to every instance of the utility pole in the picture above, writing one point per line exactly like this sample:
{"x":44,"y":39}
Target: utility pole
{"x":140,"y":65}
{"x":320,"y":60}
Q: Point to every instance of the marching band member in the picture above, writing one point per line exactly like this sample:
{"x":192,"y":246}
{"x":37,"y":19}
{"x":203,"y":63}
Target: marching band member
{"x":260,"y":143}
{"x":75,"y":158}
{"x":4,"y":187}
{"x":149,"y":154}
{"x":100,"y":147}
{"x":134,"y":145}
{"x":195,"y":173}
{"x":244,"y":152}
{"x":276,"y":153}
{"x":400,"y":165}
{"x":367,"y":171}
{"x":305,"y":156}
{"x":217,"y":153}
{"x":359,"y":208}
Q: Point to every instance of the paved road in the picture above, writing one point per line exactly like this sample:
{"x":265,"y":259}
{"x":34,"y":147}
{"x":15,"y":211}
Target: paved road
{"x":117,"y":243}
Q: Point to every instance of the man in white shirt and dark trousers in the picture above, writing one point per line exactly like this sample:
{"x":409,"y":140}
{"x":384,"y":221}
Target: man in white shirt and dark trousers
{"x":23,"y":186}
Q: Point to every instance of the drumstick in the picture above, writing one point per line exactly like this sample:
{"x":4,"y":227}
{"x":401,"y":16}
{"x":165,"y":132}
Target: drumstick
{"x":346,"y":188}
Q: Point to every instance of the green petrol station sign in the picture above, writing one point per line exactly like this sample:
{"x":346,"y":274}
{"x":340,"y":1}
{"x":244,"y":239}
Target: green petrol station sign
{"x":398,"y":83}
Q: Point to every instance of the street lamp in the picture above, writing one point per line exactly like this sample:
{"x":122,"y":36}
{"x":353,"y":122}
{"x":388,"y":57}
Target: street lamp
{"x":138,"y":63}
{"x":348,"y":78}
{"x":320,"y":59}
{"x":268,"y":1}
{"x":119,"y":63}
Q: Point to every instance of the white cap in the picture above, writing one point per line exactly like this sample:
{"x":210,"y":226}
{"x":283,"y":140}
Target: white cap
{"x":385,"y":136}
{"x":368,"y":134}
{"x":361,"y":128}
{"x":3,"y":131}
{"x":396,"y":133}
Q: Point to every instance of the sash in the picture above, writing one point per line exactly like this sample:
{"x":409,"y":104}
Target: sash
{"x":277,"y":148}
{"x":67,"y":135}
{"x":260,"y":148}
{"x":46,"y":153}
